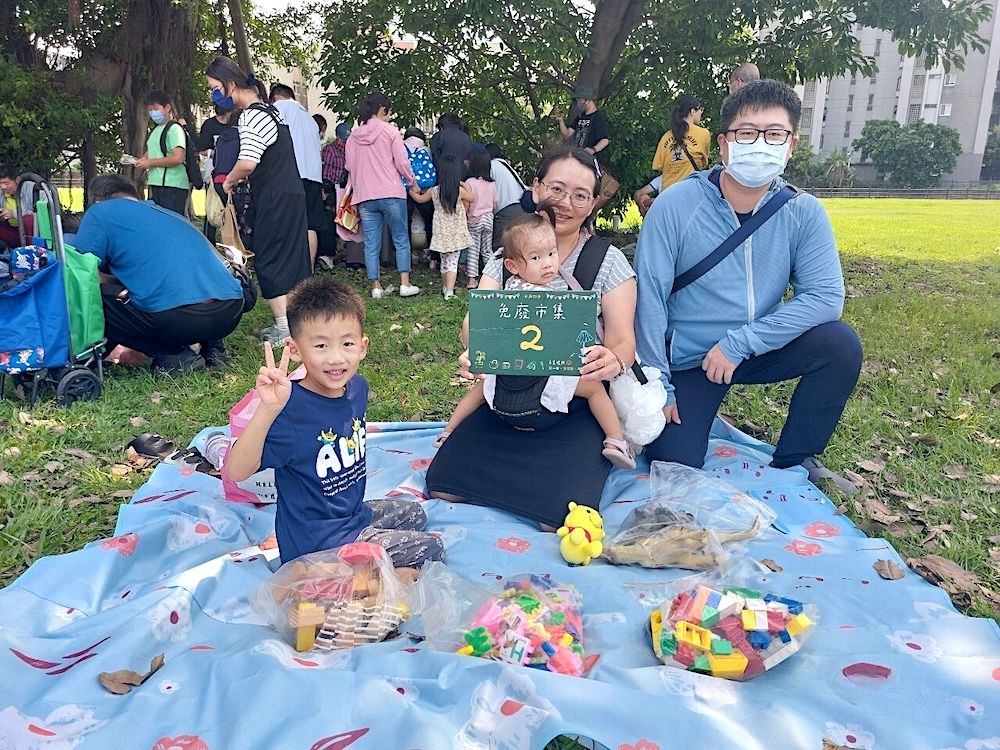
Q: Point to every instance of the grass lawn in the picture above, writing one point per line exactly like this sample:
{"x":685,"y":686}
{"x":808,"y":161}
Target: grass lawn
{"x":922,"y":430}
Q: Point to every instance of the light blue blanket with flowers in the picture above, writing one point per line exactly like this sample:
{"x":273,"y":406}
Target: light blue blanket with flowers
{"x":175,"y":578}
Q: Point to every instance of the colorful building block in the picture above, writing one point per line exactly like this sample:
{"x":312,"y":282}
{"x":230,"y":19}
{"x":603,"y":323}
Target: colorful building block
{"x":798,"y":624}
{"x":721,"y":647}
{"x":701,"y":664}
{"x":698,"y":638}
{"x":727,"y":665}
{"x":754,"y":620}
{"x":793,"y":606}
{"x":778,"y":652}
{"x":759,"y":639}
{"x":775,"y":621}
{"x":305,"y":618}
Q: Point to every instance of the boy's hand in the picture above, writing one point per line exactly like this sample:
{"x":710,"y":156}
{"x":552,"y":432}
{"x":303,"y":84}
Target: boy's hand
{"x":273,"y":385}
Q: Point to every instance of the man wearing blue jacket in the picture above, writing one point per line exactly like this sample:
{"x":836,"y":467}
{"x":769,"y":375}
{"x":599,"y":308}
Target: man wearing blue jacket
{"x":731,"y":325}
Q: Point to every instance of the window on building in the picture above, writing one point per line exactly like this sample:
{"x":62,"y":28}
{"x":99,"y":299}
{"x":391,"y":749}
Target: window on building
{"x":850,"y":102}
{"x":920,"y":62}
{"x":913,"y":113}
{"x":944,"y":110}
{"x":949,"y":79}
{"x":810,"y":89}
{"x":804,"y":138}
{"x":918,"y":86}
{"x":807,"y":117}
{"x":878,"y":46}
{"x":821,"y":139}
{"x":899,"y":81}
{"x":847,"y":129}
{"x":871,"y":102}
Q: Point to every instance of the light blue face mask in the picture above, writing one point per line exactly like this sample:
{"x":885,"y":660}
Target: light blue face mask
{"x":157,"y":116}
{"x":756,"y":164}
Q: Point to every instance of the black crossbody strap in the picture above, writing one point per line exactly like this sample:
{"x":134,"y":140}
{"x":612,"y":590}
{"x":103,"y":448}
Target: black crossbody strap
{"x":690,"y":158}
{"x":736,"y":239}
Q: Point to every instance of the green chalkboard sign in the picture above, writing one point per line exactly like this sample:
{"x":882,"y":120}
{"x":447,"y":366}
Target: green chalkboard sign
{"x":530,"y":332}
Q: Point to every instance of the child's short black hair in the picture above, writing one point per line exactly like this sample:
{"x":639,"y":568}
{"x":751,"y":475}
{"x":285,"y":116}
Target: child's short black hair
{"x":322,"y":297}
{"x":158,"y":97}
{"x":518,"y":229}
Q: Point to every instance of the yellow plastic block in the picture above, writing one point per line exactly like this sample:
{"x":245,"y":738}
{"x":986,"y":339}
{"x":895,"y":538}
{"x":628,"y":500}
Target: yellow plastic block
{"x":305,"y":619}
{"x":727,"y":665}
{"x":797,"y":624}
{"x":694,"y":636}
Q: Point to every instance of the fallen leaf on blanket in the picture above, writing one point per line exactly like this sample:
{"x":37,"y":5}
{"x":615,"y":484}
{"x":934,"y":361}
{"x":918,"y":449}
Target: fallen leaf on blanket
{"x":156,"y":397}
{"x":872,"y":465}
{"x":12,"y":452}
{"x":137,"y":421}
{"x":955,"y":472}
{"x":120,"y":682}
{"x":122,"y":493}
{"x":888,"y":570}
{"x":52,"y":467}
{"x":770,"y":564}
{"x":831,"y":745}
{"x":85,"y":499}
{"x":6,"y":479}
{"x":120,"y":470}
{"x":945,"y":574}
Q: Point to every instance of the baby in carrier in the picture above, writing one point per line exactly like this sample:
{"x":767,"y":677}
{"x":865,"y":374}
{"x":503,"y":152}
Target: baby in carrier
{"x":538,"y":402}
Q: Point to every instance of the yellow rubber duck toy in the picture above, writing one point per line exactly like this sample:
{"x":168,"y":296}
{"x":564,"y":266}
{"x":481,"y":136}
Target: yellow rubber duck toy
{"x":581,"y":533}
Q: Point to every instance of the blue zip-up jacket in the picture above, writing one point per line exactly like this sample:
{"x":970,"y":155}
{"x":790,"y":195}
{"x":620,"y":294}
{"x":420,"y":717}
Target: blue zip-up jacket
{"x":738,"y":304}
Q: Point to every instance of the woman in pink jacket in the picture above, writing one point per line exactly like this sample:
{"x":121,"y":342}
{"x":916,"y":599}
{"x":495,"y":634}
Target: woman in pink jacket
{"x":376,"y":160}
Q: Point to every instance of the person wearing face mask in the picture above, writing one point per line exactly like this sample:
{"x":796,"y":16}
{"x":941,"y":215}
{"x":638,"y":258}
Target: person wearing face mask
{"x":167,"y":179}
{"x":729,"y":325}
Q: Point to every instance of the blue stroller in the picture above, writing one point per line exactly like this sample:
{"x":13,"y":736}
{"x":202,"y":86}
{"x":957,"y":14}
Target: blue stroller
{"x":51,"y":315}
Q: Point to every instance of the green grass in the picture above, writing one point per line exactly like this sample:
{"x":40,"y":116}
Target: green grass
{"x":923,"y":280}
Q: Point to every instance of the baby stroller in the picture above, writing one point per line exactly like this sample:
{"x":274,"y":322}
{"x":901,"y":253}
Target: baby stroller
{"x":51,"y":316}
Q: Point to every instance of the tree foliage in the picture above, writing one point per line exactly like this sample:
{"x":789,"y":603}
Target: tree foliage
{"x":915,"y":155}
{"x":504,"y":65}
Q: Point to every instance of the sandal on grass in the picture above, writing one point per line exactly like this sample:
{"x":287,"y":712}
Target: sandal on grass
{"x":439,"y":440}
{"x":819,"y":473}
{"x":151,"y":445}
{"x":619,"y":452}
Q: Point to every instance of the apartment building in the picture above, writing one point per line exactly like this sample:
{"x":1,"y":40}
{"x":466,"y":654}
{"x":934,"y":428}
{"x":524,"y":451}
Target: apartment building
{"x":835,"y":110}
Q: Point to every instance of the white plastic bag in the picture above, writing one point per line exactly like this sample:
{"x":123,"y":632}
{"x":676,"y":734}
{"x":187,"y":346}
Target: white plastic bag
{"x":640,"y":407}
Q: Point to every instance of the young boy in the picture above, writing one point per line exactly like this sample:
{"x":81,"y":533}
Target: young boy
{"x":312,"y":433}
{"x":531,"y":257}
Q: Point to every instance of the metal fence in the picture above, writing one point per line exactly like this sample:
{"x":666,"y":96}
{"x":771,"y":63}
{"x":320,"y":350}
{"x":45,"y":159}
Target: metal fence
{"x":983,"y":191}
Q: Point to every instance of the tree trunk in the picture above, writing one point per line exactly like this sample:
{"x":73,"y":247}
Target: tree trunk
{"x":614,"y":21}
{"x":240,"y":36}
{"x":88,"y":157}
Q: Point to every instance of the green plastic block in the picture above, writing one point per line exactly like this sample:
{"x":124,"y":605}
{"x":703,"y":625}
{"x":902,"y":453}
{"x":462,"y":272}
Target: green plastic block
{"x":701,"y":664}
{"x":721,"y":647}
{"x":709,"y":616}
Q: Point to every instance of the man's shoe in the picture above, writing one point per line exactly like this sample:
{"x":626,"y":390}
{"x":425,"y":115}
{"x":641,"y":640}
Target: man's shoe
{"x":324,"y":263}
{"x":174,"y":364}
{"x":408,"y":290}
{"x":215,"y":354}
{"x":819,"y":473}
{"x":277,"y":336}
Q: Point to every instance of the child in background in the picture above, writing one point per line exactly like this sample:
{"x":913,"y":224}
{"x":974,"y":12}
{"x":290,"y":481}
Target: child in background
{"x":531,"y":257}
{"x":451,"y":230}
{"x":312,"y":433}
{"x":484,"y":203}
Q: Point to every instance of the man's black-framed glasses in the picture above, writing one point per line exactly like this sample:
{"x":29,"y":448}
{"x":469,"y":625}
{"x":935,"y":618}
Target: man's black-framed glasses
{"x":772,"y":136}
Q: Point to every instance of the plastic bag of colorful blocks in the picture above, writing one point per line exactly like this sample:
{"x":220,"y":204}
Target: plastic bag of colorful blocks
{"x":527,"y":619}
{"x":728,"y":631}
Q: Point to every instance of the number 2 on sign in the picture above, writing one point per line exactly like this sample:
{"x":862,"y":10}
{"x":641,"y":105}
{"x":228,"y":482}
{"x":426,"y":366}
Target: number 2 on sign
{"x":533,"y":344}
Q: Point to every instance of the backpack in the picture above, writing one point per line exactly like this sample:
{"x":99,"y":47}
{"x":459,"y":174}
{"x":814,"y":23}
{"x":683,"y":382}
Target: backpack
{"x":423,"y":167}
{"x":191,"y":164}
{"x":227,"y":151}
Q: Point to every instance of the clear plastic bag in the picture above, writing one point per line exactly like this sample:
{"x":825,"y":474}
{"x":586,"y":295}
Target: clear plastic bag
{"x":526,"y":619}
{"x":640,"y":407}
{"x":697,"y":622}
{"x":693,"y":520}
{"x":334,"y":599}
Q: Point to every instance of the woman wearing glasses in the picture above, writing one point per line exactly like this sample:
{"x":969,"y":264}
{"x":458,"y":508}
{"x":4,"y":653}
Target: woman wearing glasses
{"x":536,"y":474}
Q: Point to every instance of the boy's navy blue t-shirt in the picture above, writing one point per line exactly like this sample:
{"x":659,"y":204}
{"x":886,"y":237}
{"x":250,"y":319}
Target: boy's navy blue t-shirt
{"x":316,"y":447}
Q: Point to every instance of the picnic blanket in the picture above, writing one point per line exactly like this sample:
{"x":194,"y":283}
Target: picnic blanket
{"x":891,"y":664}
